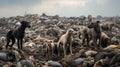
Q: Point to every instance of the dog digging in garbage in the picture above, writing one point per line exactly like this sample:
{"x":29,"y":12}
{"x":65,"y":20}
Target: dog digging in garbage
{"x":18,"y":34}
{"x":65,"y":42}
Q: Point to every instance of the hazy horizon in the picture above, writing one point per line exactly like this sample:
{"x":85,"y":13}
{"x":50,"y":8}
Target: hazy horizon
{"x":60,"y":7}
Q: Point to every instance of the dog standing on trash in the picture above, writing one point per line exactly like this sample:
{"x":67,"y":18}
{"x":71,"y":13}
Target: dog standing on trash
{"x":18,"y":33}
{"x":65,"y":42}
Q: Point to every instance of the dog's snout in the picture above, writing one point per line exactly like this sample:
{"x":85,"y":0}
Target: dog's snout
{"x":29,"y":26}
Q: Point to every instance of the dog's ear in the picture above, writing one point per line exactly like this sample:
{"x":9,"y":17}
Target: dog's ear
{"x":22,"y":22}
{"x":97,"y":22}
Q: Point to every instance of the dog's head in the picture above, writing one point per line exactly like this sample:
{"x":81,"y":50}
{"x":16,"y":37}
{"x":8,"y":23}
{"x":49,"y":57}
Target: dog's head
{"x":94,"y":25}
{"x":70,"y":31}
{"x":25,"y":24}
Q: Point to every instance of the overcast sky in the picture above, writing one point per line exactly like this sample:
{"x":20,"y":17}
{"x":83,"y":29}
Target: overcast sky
{"x":61,"y":7}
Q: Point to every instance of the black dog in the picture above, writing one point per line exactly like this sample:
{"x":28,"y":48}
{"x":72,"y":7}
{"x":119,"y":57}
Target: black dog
{"x":18,"y":33}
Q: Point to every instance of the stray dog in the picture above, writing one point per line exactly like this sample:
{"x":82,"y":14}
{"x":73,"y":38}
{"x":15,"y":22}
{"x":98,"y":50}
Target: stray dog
{"x":18,"y":33}
{"x":51,"y":46}
{"x":96,"y":33}
{"x":65,"y":41}
{"x":105,"y":40}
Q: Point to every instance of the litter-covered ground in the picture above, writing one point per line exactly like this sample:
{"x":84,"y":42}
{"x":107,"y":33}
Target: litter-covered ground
{"x":40,"y":44}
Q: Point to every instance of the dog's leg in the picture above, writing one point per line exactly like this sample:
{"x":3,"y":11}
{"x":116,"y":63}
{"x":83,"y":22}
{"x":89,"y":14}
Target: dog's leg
{"x":94,"y":42}
{"x":71,"y":41}
{"x":88,"y":42}
{"x":71,"y":48}
{"x":13,"y":41}
{"x":21,"y":40}
{"x":8,"y":41}
{"x":64,"y":50}
{"x":83,"y":42}
{"x":96,"y":45}
{"x":100,"y":45}
{"x":18,"y":42}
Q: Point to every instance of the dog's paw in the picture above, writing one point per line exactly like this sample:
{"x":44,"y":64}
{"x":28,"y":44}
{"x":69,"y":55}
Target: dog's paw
{"x":72,"y":54}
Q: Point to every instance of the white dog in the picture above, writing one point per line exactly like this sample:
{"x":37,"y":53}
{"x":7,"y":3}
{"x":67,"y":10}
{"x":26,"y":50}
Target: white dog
{"x":65,"y":41}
